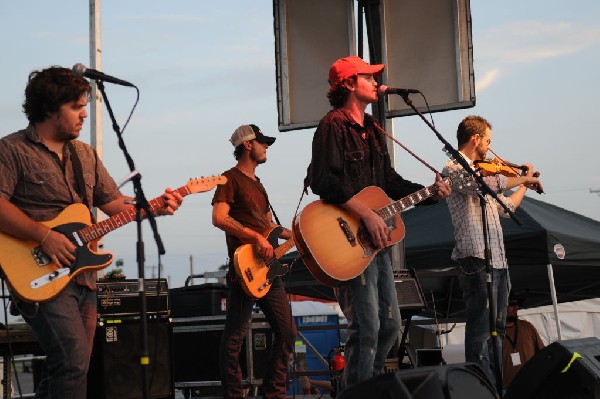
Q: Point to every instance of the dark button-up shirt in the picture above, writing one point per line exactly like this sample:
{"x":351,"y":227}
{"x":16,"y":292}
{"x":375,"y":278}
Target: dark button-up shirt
{"x":347,"y":157}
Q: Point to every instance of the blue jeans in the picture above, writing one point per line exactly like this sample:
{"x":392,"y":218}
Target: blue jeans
{"x":478,"y":340}
{"x":64,"y":327}
{"x":370,"y":303}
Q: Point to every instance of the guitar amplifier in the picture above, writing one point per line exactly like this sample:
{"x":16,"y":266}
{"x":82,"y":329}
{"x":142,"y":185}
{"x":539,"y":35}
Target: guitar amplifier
{"x":410,"y":294}
{"x":121,"y":298}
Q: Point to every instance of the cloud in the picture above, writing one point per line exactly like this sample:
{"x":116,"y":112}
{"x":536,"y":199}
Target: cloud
{"x":525,"y":42}
{"x":531,"y":41}
{"x":487,"y":79}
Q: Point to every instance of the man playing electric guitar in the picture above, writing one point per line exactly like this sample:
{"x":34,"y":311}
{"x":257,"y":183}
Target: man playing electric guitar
{"x":349,"y":154}
{"x":44,"y":169}
{"x":241,"y":209}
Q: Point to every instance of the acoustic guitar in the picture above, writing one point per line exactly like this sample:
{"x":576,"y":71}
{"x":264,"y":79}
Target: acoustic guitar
{"x":31,"y":274}
{"x":336,"y":246}
{"x":256,"y":275}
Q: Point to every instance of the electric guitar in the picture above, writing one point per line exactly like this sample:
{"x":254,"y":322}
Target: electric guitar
{"x":256,"y":275}
{"x":31,"y":274}
{"x":336,"y":246}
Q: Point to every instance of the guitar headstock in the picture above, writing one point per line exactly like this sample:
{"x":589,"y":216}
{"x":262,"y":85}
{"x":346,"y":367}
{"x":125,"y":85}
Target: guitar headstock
{"x":458,"y":178}
{"x":202,"y":184}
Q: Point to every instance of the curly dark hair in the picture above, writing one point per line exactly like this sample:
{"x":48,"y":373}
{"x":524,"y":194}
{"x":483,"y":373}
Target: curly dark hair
{"x":239,"y":150}
{"x":50,"y":88}
{"x":338,"y":95}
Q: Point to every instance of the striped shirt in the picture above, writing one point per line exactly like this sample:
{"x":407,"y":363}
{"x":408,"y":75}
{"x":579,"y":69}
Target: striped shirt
{"x":465,"y":210}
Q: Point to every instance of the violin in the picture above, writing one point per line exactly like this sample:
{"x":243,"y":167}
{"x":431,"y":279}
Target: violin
{"x":497,"y":165}
{"x":493,"y":166}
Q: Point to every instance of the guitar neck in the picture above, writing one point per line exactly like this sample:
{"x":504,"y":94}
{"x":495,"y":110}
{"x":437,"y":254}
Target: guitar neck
{"x":283,"y":248}
{"x":104,"y":227}
{"x":400,"y":205}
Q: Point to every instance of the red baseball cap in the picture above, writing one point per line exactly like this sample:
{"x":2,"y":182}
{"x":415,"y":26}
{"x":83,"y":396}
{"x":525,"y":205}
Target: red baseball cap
{"x":351,"y":66}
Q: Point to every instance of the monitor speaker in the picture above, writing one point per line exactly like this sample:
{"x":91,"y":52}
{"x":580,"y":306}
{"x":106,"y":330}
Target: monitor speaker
{"x":408,"y":289}
{"x":115,"y":370}
{"x":566,"y":369}
{"x":454,"y":381}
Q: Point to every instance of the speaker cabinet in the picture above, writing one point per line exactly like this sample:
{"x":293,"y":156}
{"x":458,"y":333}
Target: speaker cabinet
{"x":567,"y":369}
{"x":454,"y":381}
{"x":115,"y":371}
{"x":197,"y":341}
{"x":410,"y":295}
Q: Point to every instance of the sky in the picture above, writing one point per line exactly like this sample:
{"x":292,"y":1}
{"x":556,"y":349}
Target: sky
{"x":204,"y":68}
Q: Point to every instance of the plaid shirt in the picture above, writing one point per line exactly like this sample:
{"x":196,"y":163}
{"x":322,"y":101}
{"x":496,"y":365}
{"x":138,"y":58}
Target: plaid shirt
{"x":465,"y":209}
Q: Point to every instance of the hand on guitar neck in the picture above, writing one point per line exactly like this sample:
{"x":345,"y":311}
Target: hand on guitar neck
{"x":265,"y":249}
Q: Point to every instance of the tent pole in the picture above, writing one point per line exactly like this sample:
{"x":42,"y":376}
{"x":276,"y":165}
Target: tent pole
{"x":554,"y":301}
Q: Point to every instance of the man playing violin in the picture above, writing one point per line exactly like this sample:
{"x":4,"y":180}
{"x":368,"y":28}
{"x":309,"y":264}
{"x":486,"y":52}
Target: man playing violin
{"x":474,"y":135}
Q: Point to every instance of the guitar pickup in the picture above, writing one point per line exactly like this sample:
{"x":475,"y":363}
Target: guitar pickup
{"x":347,"y":232}
{"x":248,"y":273}
{"x":40,"y":256}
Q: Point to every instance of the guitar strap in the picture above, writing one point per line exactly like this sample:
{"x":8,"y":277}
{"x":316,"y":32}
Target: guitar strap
{"x":78,"y":172}
{"x":269,"y":202}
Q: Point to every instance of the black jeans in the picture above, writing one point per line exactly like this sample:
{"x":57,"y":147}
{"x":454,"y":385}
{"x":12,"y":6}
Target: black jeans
{"x":276,"y":308}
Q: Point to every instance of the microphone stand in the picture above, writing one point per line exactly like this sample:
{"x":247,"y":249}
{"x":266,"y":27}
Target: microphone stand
{"x":484,"y":190}
{"x":142,"y":209}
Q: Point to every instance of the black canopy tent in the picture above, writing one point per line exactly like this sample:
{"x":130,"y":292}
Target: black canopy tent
{"x":530,"y":249}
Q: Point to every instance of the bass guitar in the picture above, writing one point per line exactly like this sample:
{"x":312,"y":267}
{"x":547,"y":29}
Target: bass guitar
{"x":336,"y":246}
{"x":31,"y":274}
{"x":256,"y":275}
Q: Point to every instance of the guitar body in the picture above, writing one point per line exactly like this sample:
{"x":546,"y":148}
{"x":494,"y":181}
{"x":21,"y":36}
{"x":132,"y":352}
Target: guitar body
{"x":30,"y":273}
{"x":257,"y":275}
{"x":33,"y":277}
{"x":334,"y":244}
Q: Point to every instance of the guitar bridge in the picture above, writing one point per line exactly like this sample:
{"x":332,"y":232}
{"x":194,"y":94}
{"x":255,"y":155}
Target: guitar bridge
{"x":264,"y":285}
{"x":347,"y":232}
{"x":50,"y":277}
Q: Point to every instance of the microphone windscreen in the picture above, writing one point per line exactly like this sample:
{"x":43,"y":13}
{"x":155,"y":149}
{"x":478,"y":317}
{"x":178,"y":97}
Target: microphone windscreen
{"x":78,"y":70}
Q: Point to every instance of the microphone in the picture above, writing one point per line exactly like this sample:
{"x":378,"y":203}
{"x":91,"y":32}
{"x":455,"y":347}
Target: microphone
{"x":82,"y":71}
{"x":384,"y":90}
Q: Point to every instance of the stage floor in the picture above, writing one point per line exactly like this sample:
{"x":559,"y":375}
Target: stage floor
{"x":24,"y":389}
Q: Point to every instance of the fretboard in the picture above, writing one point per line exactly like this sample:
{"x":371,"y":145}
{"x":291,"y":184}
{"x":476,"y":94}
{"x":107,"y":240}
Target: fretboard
{"x":283,"y":248}
{"x":387,"y":212}
{"x":104,"y":227}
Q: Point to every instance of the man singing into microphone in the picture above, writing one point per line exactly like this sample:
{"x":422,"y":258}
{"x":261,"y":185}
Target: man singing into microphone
{"x":349,"y":153}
